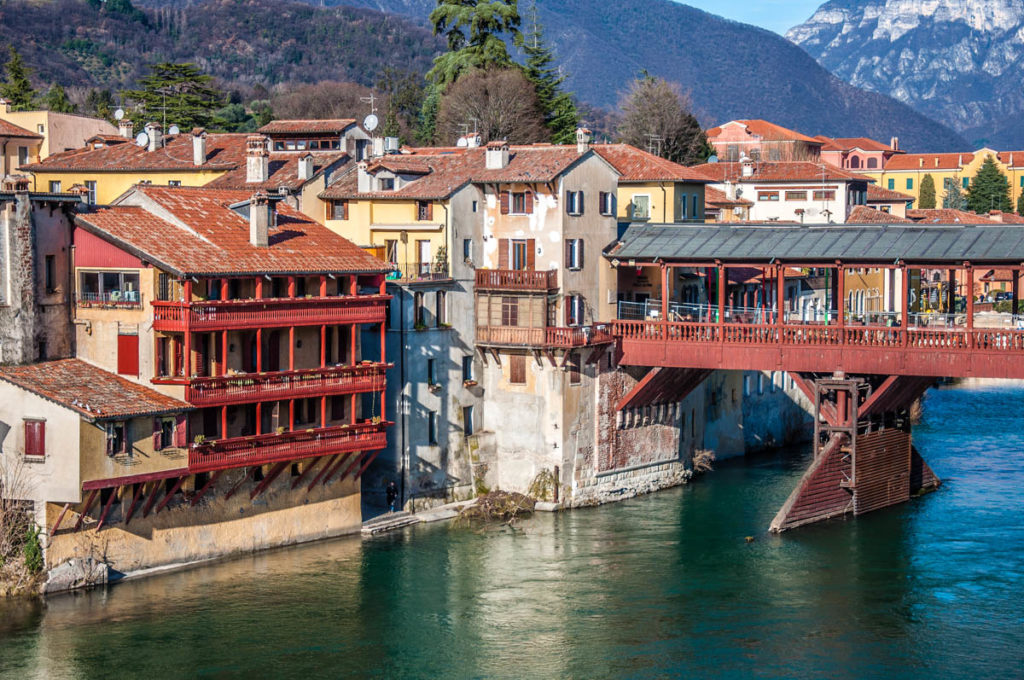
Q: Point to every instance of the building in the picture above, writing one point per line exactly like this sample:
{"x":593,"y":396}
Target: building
{"x":59,"y":132}
{"x":721,"y":207}
{"x":888,"y":201}
{"x":790,"y":191}
{"x":759,"y":140}
{"x":35,"y":281}
{"x":905,"y":172}
{"x":18,"y":147}
{"x":857,"y":153}
{"x":253,"y":320}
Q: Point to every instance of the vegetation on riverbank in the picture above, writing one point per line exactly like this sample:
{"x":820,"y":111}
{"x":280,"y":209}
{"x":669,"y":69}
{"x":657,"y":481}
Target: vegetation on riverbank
{"x":21,"y":551}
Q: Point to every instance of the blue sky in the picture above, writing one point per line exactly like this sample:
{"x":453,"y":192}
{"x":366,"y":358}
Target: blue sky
{"x":775,"y":15}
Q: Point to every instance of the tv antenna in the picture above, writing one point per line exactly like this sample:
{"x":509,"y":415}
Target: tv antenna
{"x":654,"y":144}
{"x":372,"y":101}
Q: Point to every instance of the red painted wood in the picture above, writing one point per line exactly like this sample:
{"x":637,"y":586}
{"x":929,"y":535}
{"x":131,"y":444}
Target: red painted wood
{"x":309,"y":468}
{"x":85,"y":509}
{"x":819,"y":495}
{"x":334,"y":469}
{"x":60,"y":518}
{"x":268,"y":479}
{"x":106,"y":509}
{"x":246,"y":388}
{"x":135,"y":500}
{"x":132,"y":479}
{"x":883,"y":470}
{"x":128,"y":355}
{"x":218,"y":315}
{"x":366,"y":464}
{"x":327,"y":467}
{"x":206,"y":487}
{"x":170,"y":495}
{"x":92,"y":251}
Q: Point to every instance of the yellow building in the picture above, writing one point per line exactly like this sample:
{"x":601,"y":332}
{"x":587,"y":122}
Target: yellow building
{"x":18,"y":147}
{"x":59,"y":131}
{"x":652,"y":188}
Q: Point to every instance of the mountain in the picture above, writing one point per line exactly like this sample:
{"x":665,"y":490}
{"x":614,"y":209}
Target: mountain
{"x":958,"y":61}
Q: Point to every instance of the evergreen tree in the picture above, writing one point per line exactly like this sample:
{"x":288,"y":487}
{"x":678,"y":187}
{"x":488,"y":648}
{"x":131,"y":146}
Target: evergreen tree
{"x":16,"y":87}
{"x":926,"y":201}
{"x":560,"y":114}
{"x":100,"y":103}
{"x":426,"y":127}
{"x":1020,"y":204}
{"x":655,"y":114}
{"x":954,"y":198}
{"x":179,"y":94}
{"x":989,"y":190}
{"x":474,"y":30}
{"x":57,"y":100}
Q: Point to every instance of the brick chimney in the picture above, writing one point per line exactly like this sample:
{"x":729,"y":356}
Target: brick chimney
{"x":894,"y":143}
{"x":306,"y":167}
{"x":582,"y":140}
{"x":363,"y":178}
{"x":257,"y":159}
{"x":497,"y":155}
{"x":260,"y":217}
{"x":125,"y":128}
{"x":198,"y":147}
{"x":155,"y":132}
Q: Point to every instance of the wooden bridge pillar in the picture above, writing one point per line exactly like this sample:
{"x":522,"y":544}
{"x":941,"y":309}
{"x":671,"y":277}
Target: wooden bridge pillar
{"x":864,"y":458}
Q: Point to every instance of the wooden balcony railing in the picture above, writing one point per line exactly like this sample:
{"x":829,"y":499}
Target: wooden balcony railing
{"x":553,"y":337}
{"x":246,"y":388}
{"x":515,"y":279}
{"x":273,"y":448}
{"x":269,"y":312}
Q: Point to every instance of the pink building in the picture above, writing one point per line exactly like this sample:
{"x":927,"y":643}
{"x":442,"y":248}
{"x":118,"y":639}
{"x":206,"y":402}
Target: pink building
{"x":857,"y":153}
{"x":760,"y":140}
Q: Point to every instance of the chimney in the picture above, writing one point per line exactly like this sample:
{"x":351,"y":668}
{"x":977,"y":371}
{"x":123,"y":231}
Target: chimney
{"x":260,"y":215}
{"x":363,"y":183}
{"x":497,"y":155}
{"x":306,"y":167}
{"x":995,"y":215}
{"x":378,"y":147}
{"x":582,"y":140}
{"x":155,"y":132}
{"x":936,"y":161}
{"x":920,"y":162}
{"x":894,"y":143}
{"x":257,"y":159}
{"x":748,"y":168}
{"x":198,"y":147}
{"x":125,"y":128}
{"x":730,"y":190}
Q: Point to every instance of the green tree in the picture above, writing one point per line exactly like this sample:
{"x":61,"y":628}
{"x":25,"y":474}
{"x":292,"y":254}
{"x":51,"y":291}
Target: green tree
{"x":1020,"y":204}
{"x":57,"y":100}
{"x":926,"y":201}
{"x":560,"y":114}
{"x":954,"y":197}
{"x":178,"y":94}
{"x":474,"y":30}
{"x":233,"y":118}
{"x":656,"y":115}
{"x":403,"y":94}
{"x":989,"y":190}
{"x":16,"y":87}
{"x":426,"y":127}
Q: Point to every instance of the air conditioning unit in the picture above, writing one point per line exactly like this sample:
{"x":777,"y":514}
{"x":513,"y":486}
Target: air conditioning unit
{"x":391,"y":145}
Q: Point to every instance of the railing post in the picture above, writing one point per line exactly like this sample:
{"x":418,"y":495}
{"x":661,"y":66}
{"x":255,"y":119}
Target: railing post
{"x":1014,"y":289}
{"x":905,"y":303}
{"x":841,"y":300}
{"x":969,"y":276}
{"x":664,"y":301}
{"x":722,"y":284}
{"x":780,"y":301}
{"x":291,"y":348}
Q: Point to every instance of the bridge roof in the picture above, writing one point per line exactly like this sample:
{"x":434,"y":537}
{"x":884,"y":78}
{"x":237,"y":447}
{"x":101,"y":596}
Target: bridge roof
{"x":874,"y":244}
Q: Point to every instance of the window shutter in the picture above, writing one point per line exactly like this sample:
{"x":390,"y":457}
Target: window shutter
{"x":568,"y":202}
{"x":126,"y":438}
{"x":568,"y":310}
{"x":579,"y":202}
{"x":503,"y":253}
{"x":180,"y":431}
{"x":580,"y":243}
{"x":128,"y":355}
{"x":528,"y":203}
{"x":504,"y":202}
{"x":157,"y":444}
{"x":110,"y":439}
{"x":430,"y":210}
{"x":35,"y":438}
{"x":531,"y":255}
{"x":344,"y":210}
{"x":568,"y":253}
{"x":602,"y":202}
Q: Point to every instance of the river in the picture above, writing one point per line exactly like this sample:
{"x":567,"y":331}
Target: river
{"x":664,"y":585}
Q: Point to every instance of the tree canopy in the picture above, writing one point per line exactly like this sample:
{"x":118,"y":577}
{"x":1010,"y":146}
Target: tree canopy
{"x":1020,"y":204}
{"x":954,"y":197}
{"x":989,"y":189}
{"x":656,"y":115}
{"x":501,"y":103}
{"x":474,"y":31}
{"x":926,"y":200}
{"x":16,"y":87}
{"x":179,"y":94}
{"x":560,"y":114}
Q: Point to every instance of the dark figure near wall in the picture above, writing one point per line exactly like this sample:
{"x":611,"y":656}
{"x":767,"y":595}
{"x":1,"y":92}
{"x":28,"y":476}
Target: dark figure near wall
{"x":392,"y":495}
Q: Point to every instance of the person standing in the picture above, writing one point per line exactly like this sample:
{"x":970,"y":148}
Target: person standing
{"x":392,"y":495}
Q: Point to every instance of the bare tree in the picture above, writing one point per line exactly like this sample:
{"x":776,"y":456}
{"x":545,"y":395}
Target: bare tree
{"x":327,"y":99}
{"x":656,"y":116}
{"x":497,"y":103}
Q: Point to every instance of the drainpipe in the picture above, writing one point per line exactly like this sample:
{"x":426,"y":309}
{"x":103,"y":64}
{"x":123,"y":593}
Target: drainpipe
{"x":664,"y":203}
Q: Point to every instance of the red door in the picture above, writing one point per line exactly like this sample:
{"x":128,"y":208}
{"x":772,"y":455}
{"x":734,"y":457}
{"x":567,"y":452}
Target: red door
{"x":128,"y":355}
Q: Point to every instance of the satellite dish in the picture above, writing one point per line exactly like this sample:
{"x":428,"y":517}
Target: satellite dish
{"x":142,"y":139}
{"x":371,"y":122}
{"x":462,"y":143}
{"x":174,"y":130}
{"x":712,"y":158}
{"x":119,"y":114}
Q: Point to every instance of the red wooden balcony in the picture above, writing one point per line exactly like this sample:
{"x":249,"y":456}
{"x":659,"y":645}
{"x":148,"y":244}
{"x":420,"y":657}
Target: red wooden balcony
{"x":516,"y":280}
{"x":552,"y":337}
{"x":275,"y":448}
{"x":216,"y":315}
{"x":245,"y":388}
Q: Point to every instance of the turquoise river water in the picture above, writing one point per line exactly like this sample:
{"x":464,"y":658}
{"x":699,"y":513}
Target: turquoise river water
{"x":660,"y":586}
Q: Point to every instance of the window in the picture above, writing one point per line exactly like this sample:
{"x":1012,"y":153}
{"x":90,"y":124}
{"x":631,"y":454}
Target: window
{"x":54,"y":186}
{"x":424,"y":211}
{"x":521,"y":252}
{"x":41,"y":129}
{"x":35,"y":437}
{"x":574,"y":253}
{"x":683,"y":207}
{"x":22,"y":155}
{"x":442,"y":308}
{"x":423,"y":256}
{"x":746,"y":386}
{"x":640,"y":208}
{"x":574,"y":309}
{"x":732,"y":152}
{"x":117,"y":439}
{"x":90,"y":184}
{"x":467,"y":249}
{"x":910,"y":183}
{"x":574,"y":368}
{"x":467,"y":367}
{"x":967,"y":183}
{"x":606,"y":203}
{"x":339,"y":210}
{"x":174,"y":182}
{"x":760,"y":383}
{"x":474,"y":206}
{"x":767,"y":195}
{"x":467,"y":420}
{"x":509,"y":311}
{"x":119,"y":288}
{"x":163,"y":357}
{"x":391,"y":251}
{"x":50,"y":273}
{"x":695,"y":213}
{"x":519,"y":203}
{"x":163,"y":291}
{"x":1022,"y":181}
{"x":574,"y":202}
{"x":431,"y":371}
{"x":432,"y":428}
{"x":771,"y":386}
{"x":387,"y":183}
{"x":825,"y":195}
{"x":419,"y":314}
{"x":872,"y":163}
{"x":855,"y":162}
{"x":796,"y":195}
{"x":892,"y":184}
{"x":163,"y":434}
{"x":517,"y":369}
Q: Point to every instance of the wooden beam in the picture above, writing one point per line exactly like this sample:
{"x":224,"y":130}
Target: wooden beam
{"x":170,"y":494}
{"x":248,"y":473}
{"x":60,"y":517}
{"x":551,"y":357}
{"x":352,"y":467}
{"x":337,"y":467}
{"x":106,"y":508}
{"x":206,"y":487}
{"x":268,"y":480}
{"x":366,"y":465}
{"x":135,"y":500}
{"x":309,"y":468}
{"x":85,"y":508}
{"x":565,"y":358}
{"x":320,"y":474}
{"x":151,"y":499}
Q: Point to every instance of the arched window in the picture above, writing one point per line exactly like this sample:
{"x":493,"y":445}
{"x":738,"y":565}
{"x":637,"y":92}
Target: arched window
{"x":854,"y":162}
{"x":872,"y":163}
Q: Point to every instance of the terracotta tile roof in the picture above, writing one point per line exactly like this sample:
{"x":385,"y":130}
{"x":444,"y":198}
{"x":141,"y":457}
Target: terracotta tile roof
{"x":401,"y":165}
{"x":527,"y":164}
{"x":308,"y":126}
{"x":193,"y":231}
{"x":877,"y":194}
{"x":12,"y":130}
{"x":1013,"y":159}
{"x":94,"y":393}
{"x":946,"y":216}
{"x":284,"y":172}
{"x":778,"y":171}
{"x":766,"y":131}
{"x":928,"y":161}
{"x":636,"y":165}
{"x":997,"y":275}
{"x":1005,"y":217}
{"x":850,"y":143}
{"x":717,"y":197}
{"x":757,"y":274}
{"x":862,"y":214}
{"x":223,"y":152}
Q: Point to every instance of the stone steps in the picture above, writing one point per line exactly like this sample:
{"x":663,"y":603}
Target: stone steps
{"x":389,"y":522}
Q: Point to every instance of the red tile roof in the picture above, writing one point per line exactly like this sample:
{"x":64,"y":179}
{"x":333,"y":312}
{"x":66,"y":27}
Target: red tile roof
{"x":307,"y":126}
{"x":850,"y":143}
{"x":636,"y":165}
{"x":928,"y":161}
{"x":91,"y":391}
{"x":877,"y":194}
{"x":284,"y":171}
{"x":193,"y":231}
{"x":1013,"y":159}
{"x":718,"y":197}
{"x":862,"y":214}
{"x":223,"y":152}
{"x":946,"y":216}
{"x":12,"y":130}
{"x":778,"y":171}
{"x":766,"y":131}
{"x":1005,"y":217}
